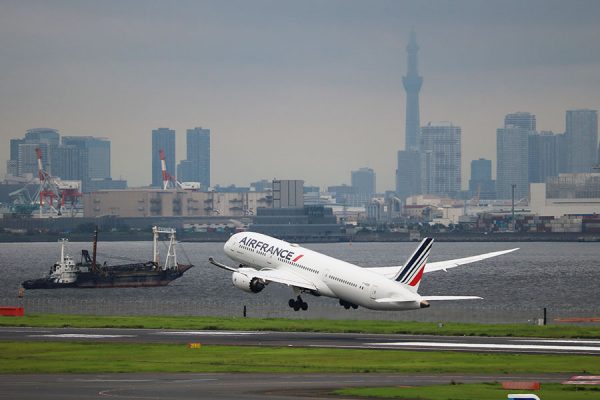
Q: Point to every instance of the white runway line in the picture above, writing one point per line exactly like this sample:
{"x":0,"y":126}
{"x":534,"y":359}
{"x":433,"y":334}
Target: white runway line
{"x":82,"y":336}
{"x":111,"y":380}
{"x":208,"y":333}
{"x":485,"y":346}
{"x":559,"y":341}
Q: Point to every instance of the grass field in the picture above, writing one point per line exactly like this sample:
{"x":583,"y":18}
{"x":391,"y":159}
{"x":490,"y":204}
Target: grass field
{"x":301,"y":325}
{"x":77,"y":357}
{"x":482,"y":391}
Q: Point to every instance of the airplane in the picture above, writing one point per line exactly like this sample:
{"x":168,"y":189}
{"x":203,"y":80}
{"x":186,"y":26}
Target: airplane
{"x":264,"y":259}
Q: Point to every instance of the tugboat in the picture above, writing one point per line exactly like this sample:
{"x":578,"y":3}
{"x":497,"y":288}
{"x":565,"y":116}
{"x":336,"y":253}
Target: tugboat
{"x":89,"y":274}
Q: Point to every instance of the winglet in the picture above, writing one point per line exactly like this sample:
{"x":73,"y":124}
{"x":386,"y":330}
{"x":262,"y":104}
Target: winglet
{"x":218,"y":264}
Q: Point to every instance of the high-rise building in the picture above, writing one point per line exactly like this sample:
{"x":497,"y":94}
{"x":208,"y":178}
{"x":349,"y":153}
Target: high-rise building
{"x":582,"y":139}
{"x":521,"y":119}
{"x":162,"y":139}
{"x":562,"y":153}
{"x":363,"y":187}
{"x":512,"y":153}
{"x":14,"y":148}
{"x":543,"y":156}
{"x":481,"y":183}
{"x":23,"y":155}
{"x":68,"y":163}
{"x":197,"y":166}
{"x":27,"y":159}
{"x":95,"y":153}
{"x":408,"y":172}
{"x":441,"y":159}
{"x":83,"y":158}
{"x":185,"y":171}
{"x":288,"y":193}
{"x":363,"y":181}
{"x":80,"y":158}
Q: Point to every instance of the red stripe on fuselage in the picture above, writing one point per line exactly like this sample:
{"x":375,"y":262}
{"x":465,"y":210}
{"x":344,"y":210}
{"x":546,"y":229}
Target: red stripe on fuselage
{"x":297,"y":258}
{"x":418,"y":277}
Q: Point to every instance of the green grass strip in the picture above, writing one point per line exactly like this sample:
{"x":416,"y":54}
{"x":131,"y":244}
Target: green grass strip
{"x":77,"y":357}
{"x":300,"y":325}
{"x":480,"y":391}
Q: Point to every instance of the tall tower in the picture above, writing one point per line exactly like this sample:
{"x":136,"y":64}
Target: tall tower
{"x":408,"y":173}
{"x":412,"y":85}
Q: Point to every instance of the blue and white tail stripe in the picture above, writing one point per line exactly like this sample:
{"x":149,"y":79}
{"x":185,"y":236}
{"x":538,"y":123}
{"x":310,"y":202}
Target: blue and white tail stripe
{"x":412,"y":271}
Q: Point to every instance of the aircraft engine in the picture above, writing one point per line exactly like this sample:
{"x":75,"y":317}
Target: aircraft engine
{"x":250,"y":285}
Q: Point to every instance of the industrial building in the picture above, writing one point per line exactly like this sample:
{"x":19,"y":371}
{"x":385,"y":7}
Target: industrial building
{"x":567,"y":194}
{"x":173,"y":203}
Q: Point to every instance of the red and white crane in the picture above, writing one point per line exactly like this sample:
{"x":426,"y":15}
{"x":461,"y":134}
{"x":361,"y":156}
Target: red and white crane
{"x":53,"y":189}
{"x":165,"y":175}
{"x":170,"y":181}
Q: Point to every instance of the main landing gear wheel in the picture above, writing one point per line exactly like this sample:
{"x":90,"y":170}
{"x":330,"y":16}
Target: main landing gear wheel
{"x":347,"y":305}
{"x":298,"y":304}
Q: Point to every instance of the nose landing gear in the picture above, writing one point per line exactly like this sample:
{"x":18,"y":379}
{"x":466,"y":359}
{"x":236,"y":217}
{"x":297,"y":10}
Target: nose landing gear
{"x":298,"y":304}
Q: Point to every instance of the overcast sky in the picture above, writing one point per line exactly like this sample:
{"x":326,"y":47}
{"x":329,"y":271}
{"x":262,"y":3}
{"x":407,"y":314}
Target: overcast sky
{"x":290,"y":89}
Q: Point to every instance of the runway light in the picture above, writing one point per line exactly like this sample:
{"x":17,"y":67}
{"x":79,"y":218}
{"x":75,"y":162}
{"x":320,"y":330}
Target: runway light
{"x":521,"y":385}
{"x":194,"y":345}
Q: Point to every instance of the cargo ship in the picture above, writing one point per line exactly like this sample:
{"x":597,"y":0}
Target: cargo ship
{"x":88,"y":273}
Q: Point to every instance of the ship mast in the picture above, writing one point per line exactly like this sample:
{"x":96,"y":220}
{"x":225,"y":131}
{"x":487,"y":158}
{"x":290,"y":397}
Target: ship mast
{"x":154,"y":245}
{"x":94,"y":250}
{"x":171,"y":258}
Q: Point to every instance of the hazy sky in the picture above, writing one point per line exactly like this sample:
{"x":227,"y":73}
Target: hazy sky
{"x":290,"y":89}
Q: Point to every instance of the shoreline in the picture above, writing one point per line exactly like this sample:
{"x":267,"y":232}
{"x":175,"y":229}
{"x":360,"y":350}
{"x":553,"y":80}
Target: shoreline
{"x":367,"y":237}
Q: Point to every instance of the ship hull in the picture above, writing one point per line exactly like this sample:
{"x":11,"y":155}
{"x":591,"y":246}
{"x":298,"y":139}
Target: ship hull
{"x":132,"y":275}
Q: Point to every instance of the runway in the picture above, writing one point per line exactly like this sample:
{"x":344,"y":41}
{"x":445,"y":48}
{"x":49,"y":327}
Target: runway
{"x":220,"y":386}
{"x":309,"y":339}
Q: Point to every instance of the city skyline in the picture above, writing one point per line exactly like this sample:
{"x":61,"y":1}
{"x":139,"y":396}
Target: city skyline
{"x":277,"y":80}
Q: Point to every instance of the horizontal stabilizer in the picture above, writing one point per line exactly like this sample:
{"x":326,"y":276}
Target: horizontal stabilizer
{"x":392,"y":300}
{"x":436,"y":298}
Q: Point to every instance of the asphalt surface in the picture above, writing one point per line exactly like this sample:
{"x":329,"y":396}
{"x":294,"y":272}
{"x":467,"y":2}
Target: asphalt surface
{"x":301,"y":339}
{"x":220,"y":386}
{"x":258,"y":386}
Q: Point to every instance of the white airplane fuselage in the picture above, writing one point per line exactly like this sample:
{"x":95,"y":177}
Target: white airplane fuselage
{"x":330,"y":276}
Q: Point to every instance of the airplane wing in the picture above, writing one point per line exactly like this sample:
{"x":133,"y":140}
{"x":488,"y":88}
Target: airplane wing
{"x":393,"y":300}
{"x":427,"y":298}
{"x":390,"y":272}
{"x":280,"y":276}
{"x":269,"y":275}
{"x":438,"y":265}
{"x":437,"y":298}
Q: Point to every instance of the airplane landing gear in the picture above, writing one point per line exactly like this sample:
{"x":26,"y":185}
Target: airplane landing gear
{"x":347,"y":305}
{"x":298,"y":304}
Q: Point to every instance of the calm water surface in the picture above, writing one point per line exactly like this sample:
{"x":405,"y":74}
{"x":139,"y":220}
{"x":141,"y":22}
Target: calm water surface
{"x":564,"y":277}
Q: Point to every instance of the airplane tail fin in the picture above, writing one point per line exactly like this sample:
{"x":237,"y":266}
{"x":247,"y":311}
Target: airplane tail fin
{"x":412,"y":272}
